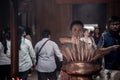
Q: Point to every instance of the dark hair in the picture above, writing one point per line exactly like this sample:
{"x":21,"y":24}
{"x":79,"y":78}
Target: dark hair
{"x":96,"y":27}
{"x":46,"y":33}
{"x":74,"y":23}
{"x":5,"y":37}
{"x":21,"y":30}
{"x":28,"y":30}
{"x":113,"y":19}
{"x":85,"y":30}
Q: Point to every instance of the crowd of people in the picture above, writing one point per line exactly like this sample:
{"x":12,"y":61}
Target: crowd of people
{"x":43,"y":56}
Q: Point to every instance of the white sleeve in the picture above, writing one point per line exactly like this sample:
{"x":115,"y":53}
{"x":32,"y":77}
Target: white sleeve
{"x":58,"y":52}
{"x":31,"y":51}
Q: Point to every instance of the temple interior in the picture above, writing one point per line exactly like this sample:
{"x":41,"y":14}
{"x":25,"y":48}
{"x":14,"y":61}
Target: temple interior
{"x":55,"y":15}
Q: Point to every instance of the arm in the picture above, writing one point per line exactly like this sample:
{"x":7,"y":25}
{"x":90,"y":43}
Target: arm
{"x":104,"y":51}
{"x":36,"y":48}
{"x":69,"y":40}
{"x":31,"y":51}
{"x":64,"y":40}
{"x":58,"y":52}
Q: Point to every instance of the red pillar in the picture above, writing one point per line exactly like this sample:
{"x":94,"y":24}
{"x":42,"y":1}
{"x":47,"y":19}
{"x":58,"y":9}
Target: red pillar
{"x":14,"y":38}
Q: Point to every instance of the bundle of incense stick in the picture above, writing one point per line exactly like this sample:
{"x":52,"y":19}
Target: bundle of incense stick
{"x":80,"y":52}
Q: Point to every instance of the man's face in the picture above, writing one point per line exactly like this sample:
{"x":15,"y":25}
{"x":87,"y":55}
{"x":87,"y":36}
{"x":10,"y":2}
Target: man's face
{"x":76,"y":30}
{"x":114,"y":26}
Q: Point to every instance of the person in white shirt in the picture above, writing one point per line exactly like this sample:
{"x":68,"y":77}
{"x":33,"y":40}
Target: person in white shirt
{"x":5,"y":57}
{"x":27,"y":56}
{"x":88,"y":39}
{"x":46,"y":65}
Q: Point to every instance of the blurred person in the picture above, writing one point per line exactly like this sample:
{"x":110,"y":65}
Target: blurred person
{"x":27,"y":56}
{"x":28,"y":33}
{"x":5,"y":61}
{"x":91,"y":33}
{"x":87,"y":38}
{"x":69,"y":43}
{"x":97,"y":34}
{"x":109,"y":38}
{"x":46,"y":50}
{"x":28,"y":36}
{"x":76,"y":28}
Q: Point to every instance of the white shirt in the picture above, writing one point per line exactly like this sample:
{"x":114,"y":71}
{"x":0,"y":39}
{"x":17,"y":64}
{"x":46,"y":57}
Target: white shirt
{"x":46,"y":59}
{"x":4,"y":58}
{"x":90,"y":41}
{"x":26,"y":55}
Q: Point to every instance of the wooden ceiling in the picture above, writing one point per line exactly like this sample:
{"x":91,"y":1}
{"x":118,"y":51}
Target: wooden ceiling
{"x":84,"y":1}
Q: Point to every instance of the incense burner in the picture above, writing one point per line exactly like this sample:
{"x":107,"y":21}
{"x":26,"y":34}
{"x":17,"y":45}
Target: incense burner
{"x":81,"y":69}
{"x":79,"y":61}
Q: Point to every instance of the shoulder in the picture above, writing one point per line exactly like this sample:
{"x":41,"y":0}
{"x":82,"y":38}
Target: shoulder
{"x":37,"y":44}
{"x":106,"y":33}
{"x":28,"y":37}
{"x":27,"y":41}
{"x":52,"y":42}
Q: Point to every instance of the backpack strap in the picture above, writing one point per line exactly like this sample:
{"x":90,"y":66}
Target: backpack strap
{"x":37,"y":54}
